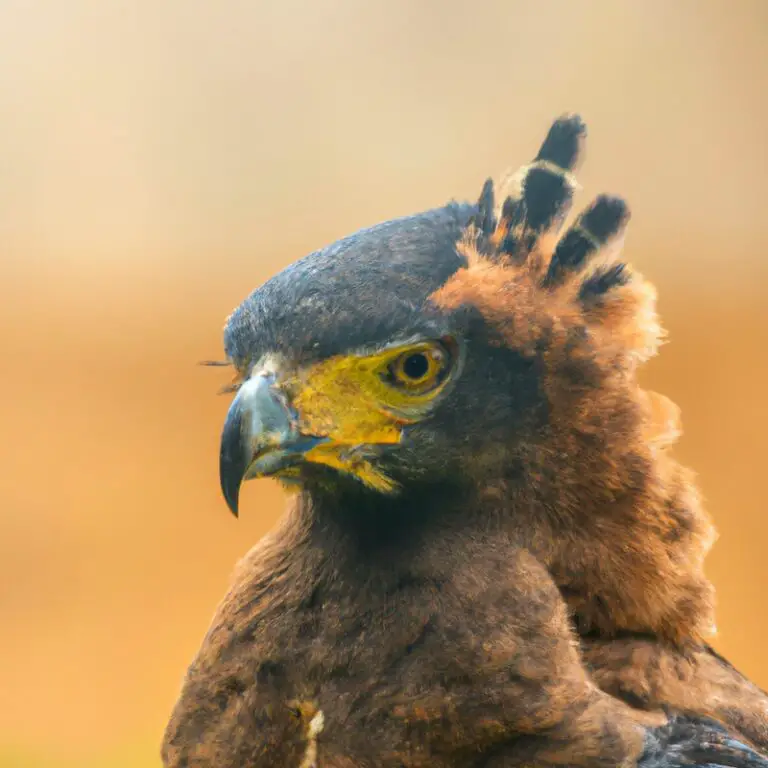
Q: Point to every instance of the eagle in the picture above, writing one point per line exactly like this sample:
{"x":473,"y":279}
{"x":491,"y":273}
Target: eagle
{"x":490,"y":557}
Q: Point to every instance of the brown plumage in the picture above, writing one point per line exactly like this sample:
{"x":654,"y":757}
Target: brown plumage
{"x":420,"y":667}
{"x":436,"y":624}
{"x":652,"y":676}
{"x":634,"y":563}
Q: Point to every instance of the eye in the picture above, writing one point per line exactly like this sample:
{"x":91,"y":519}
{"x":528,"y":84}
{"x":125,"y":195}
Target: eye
{"x":419,"y":369}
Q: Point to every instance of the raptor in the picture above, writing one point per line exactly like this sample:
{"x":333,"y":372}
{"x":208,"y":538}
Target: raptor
{"x":490,"y":558}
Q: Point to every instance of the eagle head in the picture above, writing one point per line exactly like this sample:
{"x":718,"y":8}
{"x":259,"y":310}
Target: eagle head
{"x":446,"y":349}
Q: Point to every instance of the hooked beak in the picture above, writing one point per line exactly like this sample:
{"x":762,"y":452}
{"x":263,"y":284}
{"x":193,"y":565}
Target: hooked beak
{"x":260,"y":437}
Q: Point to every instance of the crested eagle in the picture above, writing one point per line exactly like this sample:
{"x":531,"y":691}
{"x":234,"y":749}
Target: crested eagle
{"x":490,"y":558}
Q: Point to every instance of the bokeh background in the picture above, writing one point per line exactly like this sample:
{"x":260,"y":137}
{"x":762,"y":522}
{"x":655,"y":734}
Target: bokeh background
{"x":158,"y":160}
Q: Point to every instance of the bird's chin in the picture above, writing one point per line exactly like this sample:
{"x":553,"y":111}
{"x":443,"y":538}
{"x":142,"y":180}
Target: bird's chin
{"x":330,"y":462}
{"x":274,"y":463}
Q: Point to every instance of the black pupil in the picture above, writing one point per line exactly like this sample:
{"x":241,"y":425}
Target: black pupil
{"x":416,"y":366}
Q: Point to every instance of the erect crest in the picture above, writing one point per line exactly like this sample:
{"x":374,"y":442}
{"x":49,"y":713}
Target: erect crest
{"x":566,"y":297}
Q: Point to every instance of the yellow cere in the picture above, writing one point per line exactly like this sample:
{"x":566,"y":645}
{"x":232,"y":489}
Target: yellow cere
{"x":367,"y":399}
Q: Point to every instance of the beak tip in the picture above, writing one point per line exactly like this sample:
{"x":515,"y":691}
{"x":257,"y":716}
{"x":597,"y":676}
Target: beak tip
{"x":231,"y":495}
{"x":233,"y":509}
{"x":233,"y":459}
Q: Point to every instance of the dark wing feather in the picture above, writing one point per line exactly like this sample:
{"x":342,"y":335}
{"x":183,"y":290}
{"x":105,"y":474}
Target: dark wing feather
{"x":697,"y":742}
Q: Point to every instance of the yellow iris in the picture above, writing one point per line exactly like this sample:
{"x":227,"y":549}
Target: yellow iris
{"x":420,"y":368}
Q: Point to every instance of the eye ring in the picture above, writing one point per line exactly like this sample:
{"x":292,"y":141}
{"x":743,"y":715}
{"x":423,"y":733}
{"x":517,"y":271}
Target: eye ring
{"x":420,"y":369}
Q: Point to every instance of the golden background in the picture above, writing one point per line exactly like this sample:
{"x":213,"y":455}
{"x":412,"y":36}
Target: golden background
{"x":158,"y":160}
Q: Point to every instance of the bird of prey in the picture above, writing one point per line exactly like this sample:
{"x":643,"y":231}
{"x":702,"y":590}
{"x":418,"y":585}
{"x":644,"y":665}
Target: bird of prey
{"x":490,"y":558}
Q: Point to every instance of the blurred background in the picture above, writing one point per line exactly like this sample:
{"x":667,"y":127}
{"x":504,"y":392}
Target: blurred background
{"x":158,"y":160}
